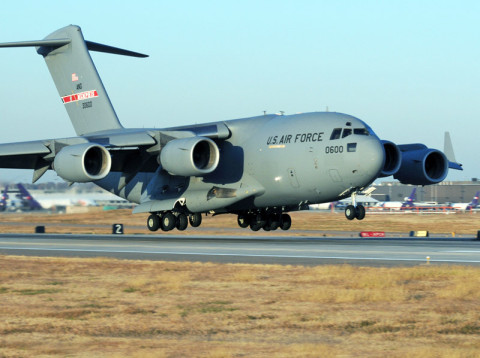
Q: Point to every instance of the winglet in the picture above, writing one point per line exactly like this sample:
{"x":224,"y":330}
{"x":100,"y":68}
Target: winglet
{"x":448,"y":150}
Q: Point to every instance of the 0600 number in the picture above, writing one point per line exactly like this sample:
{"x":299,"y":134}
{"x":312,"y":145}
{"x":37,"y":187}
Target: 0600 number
{"x":334,"y":149}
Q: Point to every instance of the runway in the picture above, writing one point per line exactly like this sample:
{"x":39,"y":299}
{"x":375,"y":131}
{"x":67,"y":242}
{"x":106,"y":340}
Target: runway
{"x":260,"y":250}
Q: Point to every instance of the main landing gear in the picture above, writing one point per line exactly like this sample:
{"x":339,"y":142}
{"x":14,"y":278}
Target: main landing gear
{"x":266,"y":221}
{"x":169,"y":220}
{"x":355,"y":211}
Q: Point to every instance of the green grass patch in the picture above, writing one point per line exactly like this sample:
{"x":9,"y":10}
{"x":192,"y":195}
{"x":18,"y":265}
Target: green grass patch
{"x":31,"y":292}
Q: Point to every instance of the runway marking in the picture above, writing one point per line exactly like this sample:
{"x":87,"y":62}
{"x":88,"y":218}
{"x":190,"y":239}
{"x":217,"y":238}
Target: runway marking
{"x":463,"y":251}
{"x":239,"y":255}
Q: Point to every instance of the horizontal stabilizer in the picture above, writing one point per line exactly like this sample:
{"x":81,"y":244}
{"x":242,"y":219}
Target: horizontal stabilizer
{"x":93,"y":46}
{"x":49,"y":42}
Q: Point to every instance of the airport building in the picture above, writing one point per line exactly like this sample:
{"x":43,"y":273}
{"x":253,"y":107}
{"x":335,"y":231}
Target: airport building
{"x":445,"y":192}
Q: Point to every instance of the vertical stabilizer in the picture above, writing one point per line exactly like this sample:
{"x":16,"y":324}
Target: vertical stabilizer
{"x":68,"y":59}
{"x":410,"y":201}
{"x":448,"y":150}
{"x":78,"y":83}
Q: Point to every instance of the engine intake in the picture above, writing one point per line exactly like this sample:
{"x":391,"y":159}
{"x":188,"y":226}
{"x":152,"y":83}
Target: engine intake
{"x":194,"y":156}
{"x":82,"y":163}
{"x":421,"y":165}
{"x":393,"y":159}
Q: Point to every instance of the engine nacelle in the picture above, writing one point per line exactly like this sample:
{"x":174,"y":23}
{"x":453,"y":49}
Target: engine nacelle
{"x":194,"y":156}
{"x":393,"y":159}
{"x":421,"y":165}
{"x":82,"y":163}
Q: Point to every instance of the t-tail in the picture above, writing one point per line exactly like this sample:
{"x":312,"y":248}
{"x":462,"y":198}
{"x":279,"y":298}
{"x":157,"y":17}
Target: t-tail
{"x":80,"y":88}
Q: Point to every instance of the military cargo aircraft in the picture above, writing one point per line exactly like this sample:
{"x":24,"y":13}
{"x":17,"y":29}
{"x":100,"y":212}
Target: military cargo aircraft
{"x":259,"y":168}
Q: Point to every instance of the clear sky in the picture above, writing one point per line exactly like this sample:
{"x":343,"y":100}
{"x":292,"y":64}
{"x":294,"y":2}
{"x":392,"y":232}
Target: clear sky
{"x":410,"y":69}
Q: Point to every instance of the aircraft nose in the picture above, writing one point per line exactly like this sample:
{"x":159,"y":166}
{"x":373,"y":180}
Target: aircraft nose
{"x":373,"y":157}
{"x":364,"y":159}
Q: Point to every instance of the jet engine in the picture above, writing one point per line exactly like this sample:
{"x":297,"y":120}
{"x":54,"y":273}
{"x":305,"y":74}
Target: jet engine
{"x":82,"y":163}
{"x":194,"y":156}
{"x":421,"y":165}
{"x":393,"y":159}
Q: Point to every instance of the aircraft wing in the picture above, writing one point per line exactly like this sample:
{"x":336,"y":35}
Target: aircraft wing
{"x":39,"y":155}
{"x":130,"y":150}
{"x":23,"y":155}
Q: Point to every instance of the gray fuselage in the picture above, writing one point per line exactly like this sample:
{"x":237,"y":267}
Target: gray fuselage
{"x":270,"y":161}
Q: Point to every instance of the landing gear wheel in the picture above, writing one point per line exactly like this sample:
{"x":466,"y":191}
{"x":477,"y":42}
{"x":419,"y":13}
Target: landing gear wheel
{"x":275,"y":222}
{"x":360,"y":212}
{"x":286,"y":222}
{"x":153,"y":222}
{"x":350,"y":212}
{"x":182,"y":222}
{"x":255,"y":226}
{"x":168,"y":221}
{"x":195,"y":219}
{"x":243,"y":220}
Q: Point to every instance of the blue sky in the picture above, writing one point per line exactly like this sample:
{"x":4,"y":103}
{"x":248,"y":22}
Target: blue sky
{"x":410,"y":69}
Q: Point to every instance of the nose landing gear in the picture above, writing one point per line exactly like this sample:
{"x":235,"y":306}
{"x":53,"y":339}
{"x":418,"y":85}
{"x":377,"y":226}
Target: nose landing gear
{"x":355,"y":211}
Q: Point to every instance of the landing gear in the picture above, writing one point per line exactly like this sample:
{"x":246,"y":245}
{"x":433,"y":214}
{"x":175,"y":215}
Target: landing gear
{"x":167,"y":221}
{"x":360,"y":212}
{"x":182,"y":222}
{"x":243,"y":220}
{"x":266,"y":221}
{"x":153,"y":222}
{"x":195,"y":219}
{"x":355,"y":211}
{"x":350,"y":212}
{"x":286,"y":222}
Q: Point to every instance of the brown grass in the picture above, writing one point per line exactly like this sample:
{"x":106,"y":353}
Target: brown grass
{"x":304,"y":223}
{"x":118,"y":308}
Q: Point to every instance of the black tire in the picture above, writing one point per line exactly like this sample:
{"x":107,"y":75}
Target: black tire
{"x":275,"y":222}
{"x":182,"y":222}
{"x":259,"y":219}
{"x":195,"y":219}
{"x":360,"y":212}
{"x":243,"y":220}
{"x":168,"y":221}
{"x":350,"y":212}
{"x":286,"y":222}
{"x":153,"y":222}
{"x":254,"y":226}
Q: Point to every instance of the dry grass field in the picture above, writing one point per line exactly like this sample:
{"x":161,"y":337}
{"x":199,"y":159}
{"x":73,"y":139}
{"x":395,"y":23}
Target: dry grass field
{"x":72,"y":307}
{"x":303,"y":223}
{"x":118,"y":308}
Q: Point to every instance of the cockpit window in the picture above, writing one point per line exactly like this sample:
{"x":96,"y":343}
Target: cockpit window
{"x":346,"y":132}
{"x":336,"y":133}
{"x":361,"y":131}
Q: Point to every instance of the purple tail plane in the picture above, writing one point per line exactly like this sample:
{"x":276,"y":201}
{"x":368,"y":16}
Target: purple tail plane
{"x":28,"y":200}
